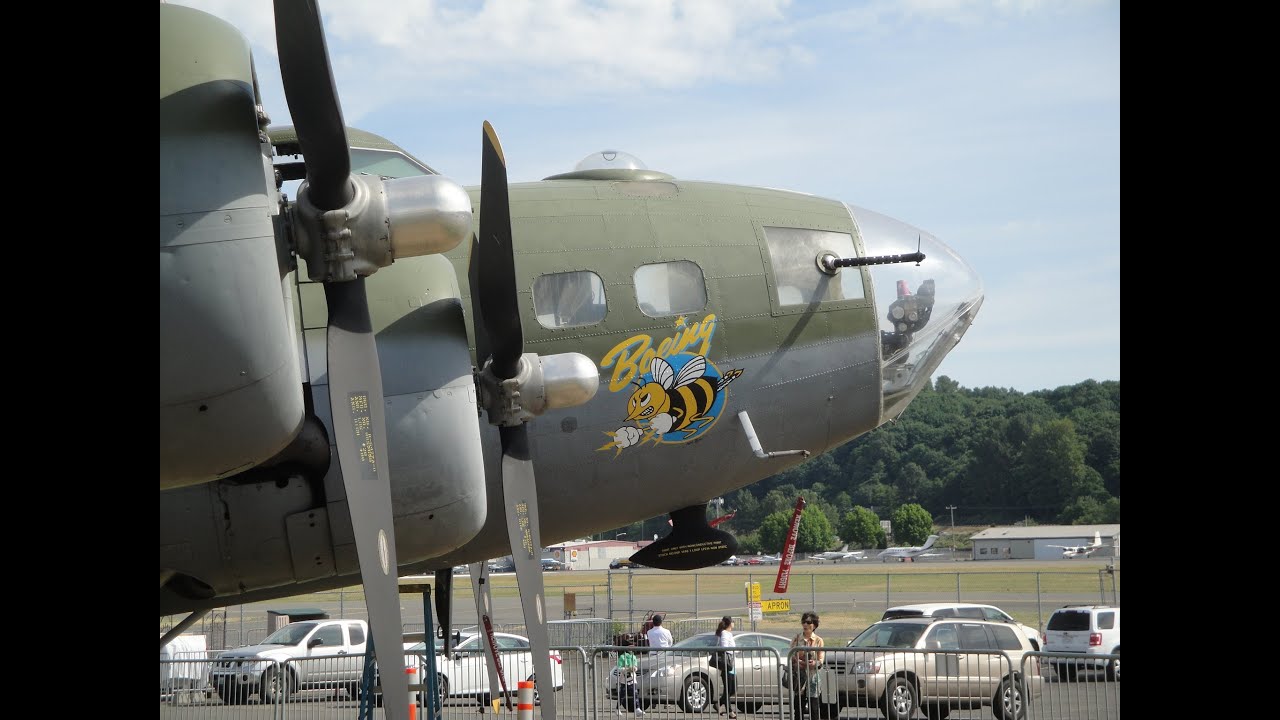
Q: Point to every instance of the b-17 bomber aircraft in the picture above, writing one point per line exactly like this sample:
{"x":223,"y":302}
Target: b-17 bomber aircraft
{"x":392,"y":374}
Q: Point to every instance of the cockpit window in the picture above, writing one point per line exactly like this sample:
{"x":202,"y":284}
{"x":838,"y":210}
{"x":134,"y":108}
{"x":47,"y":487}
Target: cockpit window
{"x":670,"y":288}
{"x":793,"y":253}
{"x":384,"y":163}
{"x":569,"y":299}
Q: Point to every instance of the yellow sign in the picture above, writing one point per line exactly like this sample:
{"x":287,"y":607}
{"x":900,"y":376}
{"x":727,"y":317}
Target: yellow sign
{"x":775,"y":606}
{"x":753,"y":591}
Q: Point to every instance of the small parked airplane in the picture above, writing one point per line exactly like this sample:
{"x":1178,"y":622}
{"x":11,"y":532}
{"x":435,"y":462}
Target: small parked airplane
{"x":843,"y":553}
{"x":770,"y":559}
{"x":1080,"y":551}
{"x":906,"y":554}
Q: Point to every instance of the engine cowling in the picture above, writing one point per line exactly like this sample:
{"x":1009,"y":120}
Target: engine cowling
{"x":230,"y":383}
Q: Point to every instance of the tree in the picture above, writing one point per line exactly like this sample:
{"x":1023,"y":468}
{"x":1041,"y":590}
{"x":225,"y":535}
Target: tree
{"x":773,"y":531}
{"x":876,"y":495}
{"x":815,"y":533}
{"x":861,"y":528}
{"x":911,"y":524}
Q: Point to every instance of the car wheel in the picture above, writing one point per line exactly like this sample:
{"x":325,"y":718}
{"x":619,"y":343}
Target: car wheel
{"x":1010,"y":702}
{"x":937,"y":711}
{"x":899,"y":701}
{"x":1113,"y":668}
{"x":276,"y":686}
{"x":696,"y":694}
{"x":233,"y":693}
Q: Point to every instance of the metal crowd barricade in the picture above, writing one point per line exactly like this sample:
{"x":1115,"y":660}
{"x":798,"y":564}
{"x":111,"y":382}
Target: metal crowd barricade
{"x":674,"y":683}
{"x":1081,"y":687}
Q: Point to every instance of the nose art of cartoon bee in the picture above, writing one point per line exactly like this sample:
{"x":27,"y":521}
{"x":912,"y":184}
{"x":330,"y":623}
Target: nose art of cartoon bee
{"x":674,"y":401}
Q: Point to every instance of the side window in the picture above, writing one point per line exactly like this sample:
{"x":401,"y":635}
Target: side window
{"x":569,"y":299}
{"x":330,"y":636}
{"x":1106,"y":620}
{"x":974,"y":637}
{"x":996,"y":615}
{"x":357,"y":635}
{"x":670,"y":288}
{"x":943,"y":637}
{"x":944,"y":612}
{"x":793,"y":253}
{"x":970,"y":612}
{"x":1006,"y":638}
{"x":781,"y":646}
{"x":510,"y":643}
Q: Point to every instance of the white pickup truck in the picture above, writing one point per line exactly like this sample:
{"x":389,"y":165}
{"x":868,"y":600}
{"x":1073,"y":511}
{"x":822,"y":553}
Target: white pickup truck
{"x":302,"y":655}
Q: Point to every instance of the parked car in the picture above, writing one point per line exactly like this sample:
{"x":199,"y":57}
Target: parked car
{"x":933,"y":665}
{"x":1084,"y":630}
{"x":463,"y":673}
{"x":299,"y":656}
{"x":964,"y":610}
{"x":552,"y":564}
{"x":680,"y":674}
{"x":502,"y":566}
{"x":620,"y":563}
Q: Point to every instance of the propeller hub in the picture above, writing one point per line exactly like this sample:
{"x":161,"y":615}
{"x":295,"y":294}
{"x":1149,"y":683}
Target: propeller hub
{"x":385,"y":220}
{"x":540,"y":384}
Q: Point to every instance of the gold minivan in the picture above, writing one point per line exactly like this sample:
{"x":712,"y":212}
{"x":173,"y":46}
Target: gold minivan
{"x":933,"y":665}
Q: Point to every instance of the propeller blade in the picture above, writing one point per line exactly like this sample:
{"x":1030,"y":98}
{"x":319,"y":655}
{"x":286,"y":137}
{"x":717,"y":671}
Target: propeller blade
{"x":483,"y":348}
{"x":497,"y":271}
{"x":355,"y":380}
{"x":480,"y":590}
{"x":355,"y":393}
{"x":520,"y":496}
{"x":493,"y":256}
{"x":444,"y":604}
{"x":312,"y":97}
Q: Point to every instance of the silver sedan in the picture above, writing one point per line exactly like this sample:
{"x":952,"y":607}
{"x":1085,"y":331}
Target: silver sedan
{"x":681,"y":674}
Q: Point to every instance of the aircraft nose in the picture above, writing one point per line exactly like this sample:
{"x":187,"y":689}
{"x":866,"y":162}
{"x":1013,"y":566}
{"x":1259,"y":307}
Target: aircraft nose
{"x":924,"y":308}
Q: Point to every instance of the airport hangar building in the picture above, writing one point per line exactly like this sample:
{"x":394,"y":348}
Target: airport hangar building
{"x":1032,"y":543}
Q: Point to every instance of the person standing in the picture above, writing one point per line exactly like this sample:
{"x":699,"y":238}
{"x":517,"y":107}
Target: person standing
{"x":728,"y":678}
{"x":659,"y":637}
{"x":805,"y":664}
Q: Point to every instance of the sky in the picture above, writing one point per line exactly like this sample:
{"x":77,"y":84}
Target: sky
{"x":993,"y":125}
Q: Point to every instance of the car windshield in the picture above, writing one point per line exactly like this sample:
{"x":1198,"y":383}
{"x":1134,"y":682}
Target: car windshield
{"x":888,"y":635}
{"x":291,"y":634}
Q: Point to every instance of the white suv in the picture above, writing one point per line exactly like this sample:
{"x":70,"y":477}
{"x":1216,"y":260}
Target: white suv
{"x":1084,"y":630}
{"x":962,"y":610}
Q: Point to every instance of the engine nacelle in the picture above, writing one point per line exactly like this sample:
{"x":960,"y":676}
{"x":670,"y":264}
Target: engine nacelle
{"x":230,"y":383}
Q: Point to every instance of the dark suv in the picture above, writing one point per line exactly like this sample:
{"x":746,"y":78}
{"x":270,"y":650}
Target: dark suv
{"x":934,"y":665}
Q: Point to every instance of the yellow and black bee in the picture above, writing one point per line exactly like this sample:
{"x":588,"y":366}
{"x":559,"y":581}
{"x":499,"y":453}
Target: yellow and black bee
{"x":672,"y":401}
